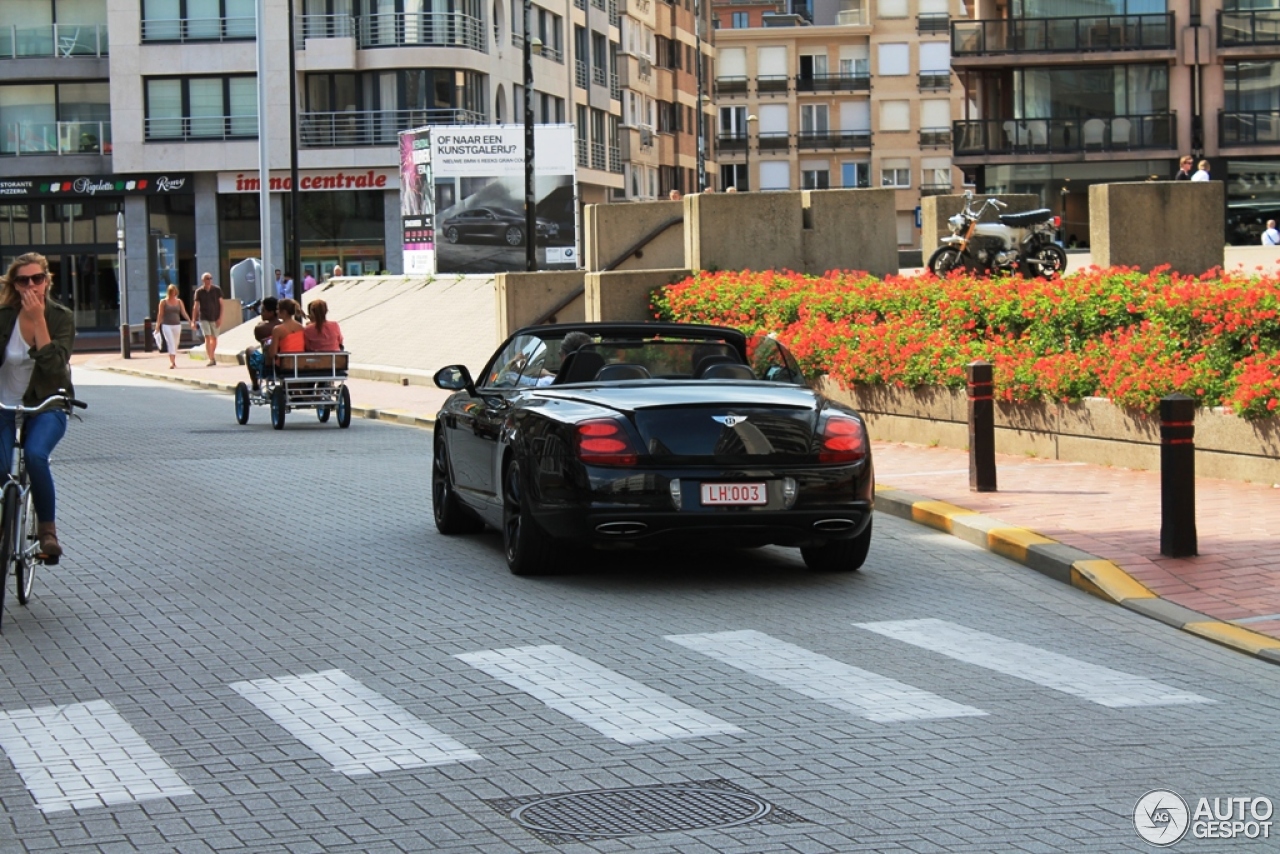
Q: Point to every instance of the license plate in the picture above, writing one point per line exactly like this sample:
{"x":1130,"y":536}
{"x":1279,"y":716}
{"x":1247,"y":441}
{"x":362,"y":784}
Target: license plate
{"x":734,"y":494}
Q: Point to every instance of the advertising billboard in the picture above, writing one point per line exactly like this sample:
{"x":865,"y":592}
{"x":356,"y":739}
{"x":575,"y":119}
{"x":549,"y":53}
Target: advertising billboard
{"x":417,"y":210}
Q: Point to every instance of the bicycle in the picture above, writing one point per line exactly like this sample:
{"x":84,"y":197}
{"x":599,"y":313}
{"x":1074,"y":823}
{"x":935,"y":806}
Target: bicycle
{"x":19,"y":540}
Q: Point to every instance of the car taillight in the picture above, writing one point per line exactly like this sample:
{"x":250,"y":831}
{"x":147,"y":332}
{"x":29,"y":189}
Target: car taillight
{"x":841,"y":440}
{"x":604,"y":442}
{"x":1057,"y":222}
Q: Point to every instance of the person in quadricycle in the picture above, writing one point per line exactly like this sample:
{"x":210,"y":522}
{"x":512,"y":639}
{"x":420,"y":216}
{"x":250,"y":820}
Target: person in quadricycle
{"x":35,"y":364}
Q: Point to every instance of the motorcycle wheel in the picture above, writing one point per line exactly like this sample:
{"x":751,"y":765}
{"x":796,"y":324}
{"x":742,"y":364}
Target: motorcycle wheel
{"x":1048,"y":261}
{"x":944,"y":260}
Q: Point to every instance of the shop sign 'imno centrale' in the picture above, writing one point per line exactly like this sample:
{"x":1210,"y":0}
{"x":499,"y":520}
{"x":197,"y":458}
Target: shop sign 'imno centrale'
{"x":311,"y":180}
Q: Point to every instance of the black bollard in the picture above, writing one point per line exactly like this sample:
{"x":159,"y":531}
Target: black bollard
{"x":1178,"y":476}
{"x":126,"y":341}
{"x":982,"y":427}
{"x":148,"y":343}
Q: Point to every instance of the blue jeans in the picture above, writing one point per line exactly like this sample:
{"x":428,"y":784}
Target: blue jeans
{"x":44,"y":432}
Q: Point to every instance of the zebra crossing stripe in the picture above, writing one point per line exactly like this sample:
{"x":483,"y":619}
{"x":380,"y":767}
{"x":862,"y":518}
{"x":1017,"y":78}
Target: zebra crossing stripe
{"x":1091,"y":682}
{"x":84,"y":755}
{"x":612,"y":704}
{"x":350,"y":725}
{"x":851,"y":689}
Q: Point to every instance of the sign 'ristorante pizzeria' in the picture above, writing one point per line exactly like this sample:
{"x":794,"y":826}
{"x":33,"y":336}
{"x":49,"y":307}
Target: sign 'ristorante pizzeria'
{"x":311,"y":180}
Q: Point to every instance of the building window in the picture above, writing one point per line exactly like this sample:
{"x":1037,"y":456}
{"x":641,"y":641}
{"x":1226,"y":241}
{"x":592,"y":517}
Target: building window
{"x":855,"y":174}
{"x":775,"y":175}
{"x":895,"y":172}
{"x":201,"y":108}
{"x":198,"y":20}
{"x":895,"y":115}
{"x":891,"y":8}
{"x":741,"y":20}
{"x":815,"y":179}
{"x":895,"y":59}
{"x":733,"y":175}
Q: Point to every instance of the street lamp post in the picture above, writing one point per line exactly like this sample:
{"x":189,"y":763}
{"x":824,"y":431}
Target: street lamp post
{"x":702,"y":142}
{"x":530,"y":211}
{"x":126,"y":334}
{"x":751,"y":120}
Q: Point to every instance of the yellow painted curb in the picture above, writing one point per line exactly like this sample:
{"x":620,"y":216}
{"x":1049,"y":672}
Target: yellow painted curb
{"x":1233,"y":636}
{"x":938,"y":514}
{"x":1014,"y":542}
{"x":1107,"y":581}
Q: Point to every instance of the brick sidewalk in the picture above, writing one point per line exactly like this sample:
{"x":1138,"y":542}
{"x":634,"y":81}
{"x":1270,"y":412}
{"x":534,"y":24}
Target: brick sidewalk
{"x":1113,"y":513}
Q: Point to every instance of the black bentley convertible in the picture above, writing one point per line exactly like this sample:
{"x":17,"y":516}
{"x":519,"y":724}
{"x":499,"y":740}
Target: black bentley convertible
{"x":649,"y":435}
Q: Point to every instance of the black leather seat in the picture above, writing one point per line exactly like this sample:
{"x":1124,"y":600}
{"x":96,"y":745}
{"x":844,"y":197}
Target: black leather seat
{"x":580,"y":366}
{"x":622,"y":372}
{"x":707,"y":361}
{"x":728,"y":371}
{"x":1026,"y":218}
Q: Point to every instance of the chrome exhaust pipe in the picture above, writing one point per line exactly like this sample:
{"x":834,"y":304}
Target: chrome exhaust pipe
{"x":833,"y":526}
{"x":621,"y":529}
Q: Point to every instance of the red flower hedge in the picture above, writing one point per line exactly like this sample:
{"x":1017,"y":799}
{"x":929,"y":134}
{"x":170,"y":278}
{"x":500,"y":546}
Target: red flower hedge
{"x":1119,"y":333}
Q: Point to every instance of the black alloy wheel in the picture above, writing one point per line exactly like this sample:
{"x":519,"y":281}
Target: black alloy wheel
{"x":529,"y":550}
{"x":344,"y":408}
{"x":242,"y":403}
{"x":322,"y":414}
{"x":278,"y":408}
{"x":839,"y":555}
{"x":451,"y":517}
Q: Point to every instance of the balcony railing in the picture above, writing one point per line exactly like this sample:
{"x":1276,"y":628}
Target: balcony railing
{"x":935,"y":189}
{"x":833,"y":139}
{"x":199,"y":29}
{"x":545,"y":51}
{"x":373,"y":127}
{"x":598,"y":158}
{"x":731,"y":142}
{"x":615,"y":159}
{"x":58,"y":40}
{"x":935,"y":137}
{"x":779,"y":140}
{"x":850,"y":18}
{"x":580,"y":74}
{"x":1062,"y":35}
{"x":614,"y":17}
{"x":599,"y":75}
{"x":833,"y":83}
{"x":772,"y":84}
{"x":730,"y":86}
{"x":1259,"y":27}
{"x":581,"y":145}
{"x":933,"y":22}
{"x":425,"y":29}
{"x":615,"y":88}
{"x":1059,"y":136}
{"x":1253,"y":127}
{"x":325,"y":27}
{"x":52,"y":138}
{"x":935,"y":81}
{"x":200,"y":128}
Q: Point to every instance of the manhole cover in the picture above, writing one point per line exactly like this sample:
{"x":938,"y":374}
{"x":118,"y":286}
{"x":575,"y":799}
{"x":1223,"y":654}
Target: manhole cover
{"x":663,"y":808}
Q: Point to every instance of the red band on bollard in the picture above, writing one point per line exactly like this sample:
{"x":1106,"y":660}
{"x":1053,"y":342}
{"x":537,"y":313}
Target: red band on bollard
{"x":1177,"y":423}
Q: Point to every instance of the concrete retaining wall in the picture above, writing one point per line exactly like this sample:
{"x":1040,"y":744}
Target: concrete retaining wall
{"x":1091,"y":431}
{"x":625,"y":295}
{"x":525,"y":298}
{"x":936,"y":210}
{"x":610,"y":230}
{"x":1149,"y":223}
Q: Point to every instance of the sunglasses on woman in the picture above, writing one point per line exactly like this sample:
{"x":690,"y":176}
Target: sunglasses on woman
{"x":33,"y":279}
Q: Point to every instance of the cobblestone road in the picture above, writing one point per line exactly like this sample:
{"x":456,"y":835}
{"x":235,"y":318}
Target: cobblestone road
{"x":259,"y":643}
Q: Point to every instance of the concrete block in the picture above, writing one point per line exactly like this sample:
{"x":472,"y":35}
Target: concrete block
{"x":1149,"y":223}
{"x":526,"y":298}
{"x":609,"y":231}
{"x":625,"y":295}
{"x":849,"y":230}
{"x":936,"y":210}
{"x":744,"y":231}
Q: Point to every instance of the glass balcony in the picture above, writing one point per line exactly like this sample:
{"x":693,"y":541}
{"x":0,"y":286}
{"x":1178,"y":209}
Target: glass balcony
{"x":57,"y":40}
{"x":935,"y":81}
{"x":1065,"y":136}
{"x":833,"y":83}
{"x":850,"y":18}
{"x":198,"y":29}
{"x":374,"y":127}
{"x":935,"y":189}
{"x":200,"y":128}
{"x":772,"y":84}
{"x":22,"y":139}
{"x":730,"y":86}
{"x":1250,"y":127}
{"x":933,"y":22}
{"x":731,"y":142}
{"x":1062,"y":35}
{"x":935,"y":137}
{"x":324,"y":27}
{"x":1242,"y":29}
{"x":421,"y":29}
{"x":812,"y":139}
{"x":774,"y":140}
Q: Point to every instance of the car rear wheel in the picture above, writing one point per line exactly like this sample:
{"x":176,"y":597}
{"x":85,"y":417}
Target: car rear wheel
{"x":529,"y":550}
{"x":451,"y":517}
{"x":514,"y":235}
{"x":839,"y":555}
{"x":451,"y":234}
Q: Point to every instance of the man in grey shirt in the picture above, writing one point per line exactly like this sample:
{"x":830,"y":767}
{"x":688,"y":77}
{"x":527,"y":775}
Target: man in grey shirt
{"x":207,"y":311}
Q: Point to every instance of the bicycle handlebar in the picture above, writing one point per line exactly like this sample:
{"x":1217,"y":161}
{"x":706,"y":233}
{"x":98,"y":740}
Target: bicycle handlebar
{"x":53,"y":401}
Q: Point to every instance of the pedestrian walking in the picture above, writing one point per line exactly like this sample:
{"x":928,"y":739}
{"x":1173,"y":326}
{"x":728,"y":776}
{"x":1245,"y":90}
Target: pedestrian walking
{"x":1202,"y":173}
{"x":1271,"y":237}
{"x":308,"y":282}
{"x":169,"y":316}
{"x":1185,"y":168}
{"x":284,"y":287}
{"x":206,"y":310}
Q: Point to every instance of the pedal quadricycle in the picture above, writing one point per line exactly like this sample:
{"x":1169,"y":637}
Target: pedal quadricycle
{"x":301,"y":381}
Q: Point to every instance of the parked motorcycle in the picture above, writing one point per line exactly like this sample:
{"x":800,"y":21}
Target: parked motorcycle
{"x":1018,"y":243}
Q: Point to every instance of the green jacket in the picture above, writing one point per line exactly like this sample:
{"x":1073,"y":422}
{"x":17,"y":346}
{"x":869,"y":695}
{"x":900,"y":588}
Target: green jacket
{"x":53,"y":361}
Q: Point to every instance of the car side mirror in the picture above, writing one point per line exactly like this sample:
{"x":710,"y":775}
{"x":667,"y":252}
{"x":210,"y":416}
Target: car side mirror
{"x":455,"y":378}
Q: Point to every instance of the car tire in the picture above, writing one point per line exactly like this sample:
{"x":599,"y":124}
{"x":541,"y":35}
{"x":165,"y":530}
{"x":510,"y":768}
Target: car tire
{"x":528,"y":548}
{"x":451,"y":235}
{"x":514,"y":235}
{"x":839,"y":555}
{"x":451,"y":517}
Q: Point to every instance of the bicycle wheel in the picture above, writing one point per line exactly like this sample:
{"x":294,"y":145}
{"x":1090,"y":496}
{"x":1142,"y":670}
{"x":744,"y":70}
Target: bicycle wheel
{"x":28,"y":543}
{"x":7,"y":528}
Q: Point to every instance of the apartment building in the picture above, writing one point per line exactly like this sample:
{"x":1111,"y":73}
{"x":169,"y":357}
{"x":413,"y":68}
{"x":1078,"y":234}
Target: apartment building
{"x":149,"y":109}
{"x":658,"y":75}
{"x":1062,"y":94}
{"x":854,"y":93}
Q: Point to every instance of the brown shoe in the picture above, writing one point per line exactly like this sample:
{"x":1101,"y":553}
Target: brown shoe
{"x":49,"y":545}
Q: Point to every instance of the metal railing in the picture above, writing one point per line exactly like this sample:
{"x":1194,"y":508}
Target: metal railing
{"x":935,"y":80}
{"x":850,"y":18}
{"x":199,"y":29}
{"x":425,"y":29}
{"x":772,"y":83}
{"x":614,"y":17}
{"x":615,"y":89}
{"x":580,"y":74}
{"x":774,"y":140}
{"x":599,"y":160}
{"x":1257,"y":27}
{"x":200,"y":128}
{"x":554,"y":54}
{"x":935,"y":137}
{"x":933,"y":22}
{"x":53,"y":138}
{"x":1041,"y":136}
{"x":731,"y":86}
{"x":1249,"y":127}
{"x":615,"y":159}
{"x":374,"y":127}
{"x":57,"y":40}
{"x":935,"y":189}
{"x":580,"y":4}
{"x":833,"y":139}
{"x":731,"y":142}
{"x":599,"y":75}
{"x":1062,"y":35}
{"x":833,"y":82}
{"x":324,"y":27}
{"x":581,"y":145}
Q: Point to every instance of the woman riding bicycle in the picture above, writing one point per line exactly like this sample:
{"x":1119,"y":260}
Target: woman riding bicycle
{"x":36,"y":333}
